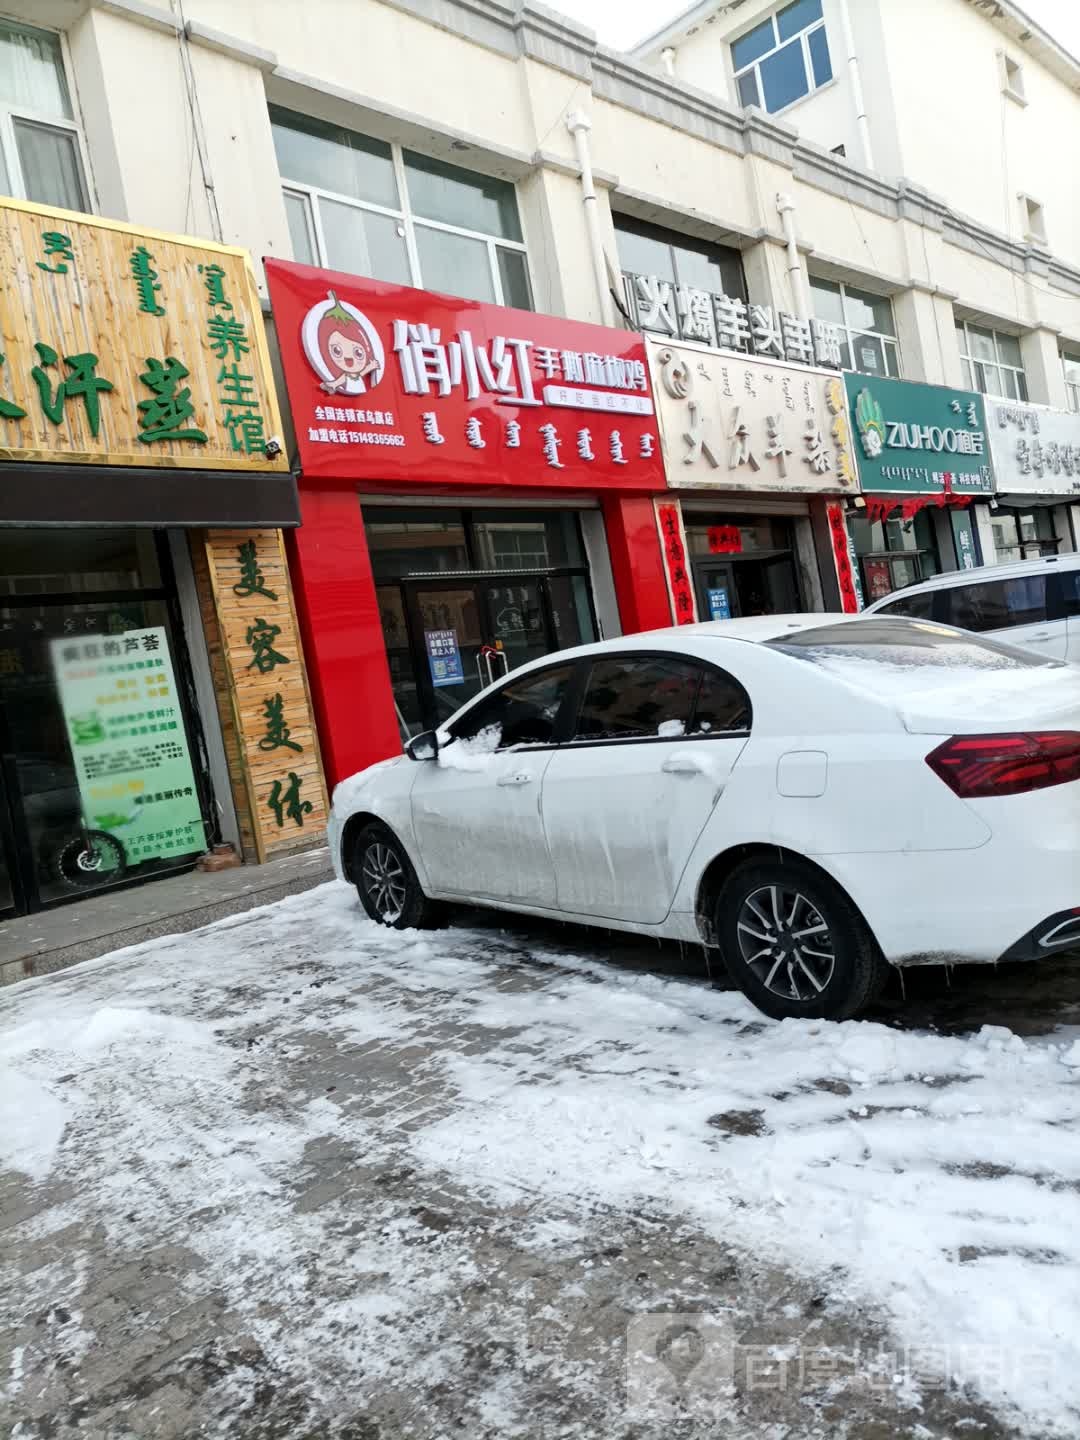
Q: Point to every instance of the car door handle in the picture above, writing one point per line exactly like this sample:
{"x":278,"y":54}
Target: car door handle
{"x":520,"y":777}
{"x":681,"y":765}
{"x":1041,"y":635}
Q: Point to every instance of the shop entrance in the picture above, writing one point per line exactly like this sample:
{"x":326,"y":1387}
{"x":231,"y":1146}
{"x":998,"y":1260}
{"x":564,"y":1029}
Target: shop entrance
{"x":106,"y":598}
{"x":467,"y":596}
{"x":742,"y":565}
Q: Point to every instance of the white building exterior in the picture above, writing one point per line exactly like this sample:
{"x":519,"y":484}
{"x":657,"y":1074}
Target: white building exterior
{"x":162,"y":114}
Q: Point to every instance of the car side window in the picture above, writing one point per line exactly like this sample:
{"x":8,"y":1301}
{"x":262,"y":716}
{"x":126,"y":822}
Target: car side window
{"x":1068,"y":594}
{"x":523,"y":712}
{"x":910,"y":607}
{"x":638,"y":697}
{"x":996,"y":604}
{"x":722,"y":704}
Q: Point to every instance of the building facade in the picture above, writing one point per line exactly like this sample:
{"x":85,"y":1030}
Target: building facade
{"x":153,"y":704}
{"x":498,"y":153}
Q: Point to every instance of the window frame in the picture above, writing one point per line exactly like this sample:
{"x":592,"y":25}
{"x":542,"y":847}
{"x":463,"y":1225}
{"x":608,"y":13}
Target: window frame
{"x":755,"y":65}
{"x":852,"y":332}
{"x":10,"y":113}
{"x":1072,"y":387}
{"x":568,"y":721}
{"x":968,"y":362}
{"x":404,"y":214}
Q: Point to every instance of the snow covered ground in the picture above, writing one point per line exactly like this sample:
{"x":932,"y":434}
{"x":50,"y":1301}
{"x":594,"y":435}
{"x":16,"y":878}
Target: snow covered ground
{"x":293,"y":1175}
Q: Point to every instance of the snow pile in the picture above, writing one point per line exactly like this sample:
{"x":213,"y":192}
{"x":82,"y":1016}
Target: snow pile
{"x":475,"y":753}
{"x":185,"y":1089}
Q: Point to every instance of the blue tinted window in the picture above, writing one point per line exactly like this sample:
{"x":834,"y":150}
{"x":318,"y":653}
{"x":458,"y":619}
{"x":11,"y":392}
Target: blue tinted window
{"x":754,"y":44}
{"x":783,"y":76}
{"x":819,"y":57}
{"x":797,"y":17}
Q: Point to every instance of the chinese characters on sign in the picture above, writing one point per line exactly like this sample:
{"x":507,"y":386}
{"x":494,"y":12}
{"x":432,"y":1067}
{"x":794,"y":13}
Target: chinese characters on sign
{"x":286,"y":795}
{"x":386,"y":381}
{"x":676,"y":562}
{"x":846,"y":575}
{"x":919,"y":439}
{"x":751,"y":424}
{"x":128,"y":742}
{"x":117,"y":371}
{"x":684,"y":312}
{"x":444,"y":657}
{"x":1036,"y":450}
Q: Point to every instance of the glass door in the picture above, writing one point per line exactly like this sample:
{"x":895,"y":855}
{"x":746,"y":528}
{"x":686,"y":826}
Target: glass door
{"x":449,"y":631}
{"x":716,"y":590}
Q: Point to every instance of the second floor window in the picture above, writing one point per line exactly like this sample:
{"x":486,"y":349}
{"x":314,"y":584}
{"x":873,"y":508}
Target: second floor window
{"x":1071,"y":366}
{"x":866,"y":321}
{"x":783,"y":58}
{"x":991,"y":361}
{"x":40,"y":146}
{"x":361,"y":205}
{"x":670,"y":266}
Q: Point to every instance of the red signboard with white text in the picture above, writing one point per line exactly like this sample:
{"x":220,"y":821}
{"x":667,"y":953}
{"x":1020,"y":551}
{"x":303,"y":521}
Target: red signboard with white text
{"x":399,"y":385}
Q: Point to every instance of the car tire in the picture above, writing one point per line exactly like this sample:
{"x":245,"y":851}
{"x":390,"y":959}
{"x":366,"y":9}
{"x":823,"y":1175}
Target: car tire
{"x":795,"y":945}
{"x":387,"y":883}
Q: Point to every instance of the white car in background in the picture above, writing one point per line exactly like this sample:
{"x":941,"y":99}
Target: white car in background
{"x":817,"y":797}
{"x":1034,"y":603}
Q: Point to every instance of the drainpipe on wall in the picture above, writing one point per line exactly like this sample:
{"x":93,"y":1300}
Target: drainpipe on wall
{"x":667,"y":59}
{"x":579,"y":126}
{"x":862,"y":121}
{"x":786,"y":206}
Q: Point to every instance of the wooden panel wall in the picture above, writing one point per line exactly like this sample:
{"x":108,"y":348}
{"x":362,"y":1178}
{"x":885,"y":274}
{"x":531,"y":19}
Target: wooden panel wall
{"x":263,"y":699}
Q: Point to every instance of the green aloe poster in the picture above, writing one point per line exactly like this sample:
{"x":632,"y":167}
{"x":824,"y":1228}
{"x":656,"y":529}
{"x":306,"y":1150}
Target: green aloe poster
{"x":128,"y":744}
{"x":914,"y":439}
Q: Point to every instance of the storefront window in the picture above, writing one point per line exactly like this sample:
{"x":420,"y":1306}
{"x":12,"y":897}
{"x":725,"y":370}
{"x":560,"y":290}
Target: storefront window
{"x":869,"y":342}
{"x":91,"y":657}
{"x":467,"y":596}
{"x":1023,"y":534}
{"x":895,"y":552}
{"x":362,"y":205}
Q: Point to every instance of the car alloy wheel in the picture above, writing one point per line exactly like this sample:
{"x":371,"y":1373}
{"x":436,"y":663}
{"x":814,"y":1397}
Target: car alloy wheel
{"x":384,"y":881}
{"x":785,"y":942}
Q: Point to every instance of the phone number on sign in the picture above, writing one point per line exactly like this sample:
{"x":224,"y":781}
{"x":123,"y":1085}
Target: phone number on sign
{"x":326,"y":436}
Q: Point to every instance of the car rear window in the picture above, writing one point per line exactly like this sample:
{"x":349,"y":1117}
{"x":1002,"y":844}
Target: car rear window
{"x":891,"y":656}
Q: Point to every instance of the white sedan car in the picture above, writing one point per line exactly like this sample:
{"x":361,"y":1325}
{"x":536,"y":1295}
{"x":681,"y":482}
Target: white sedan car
{"x":816,"y":797}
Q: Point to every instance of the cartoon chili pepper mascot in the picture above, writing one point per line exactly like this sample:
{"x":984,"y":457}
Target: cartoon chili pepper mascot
{"x":342,"y":347}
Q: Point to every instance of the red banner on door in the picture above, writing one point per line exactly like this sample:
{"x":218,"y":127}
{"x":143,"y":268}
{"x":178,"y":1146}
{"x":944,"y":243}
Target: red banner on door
{"x":724,"y":540}
{"x":676,"y":564}
{"x":850,"y":599}
{"x":390,"y":383}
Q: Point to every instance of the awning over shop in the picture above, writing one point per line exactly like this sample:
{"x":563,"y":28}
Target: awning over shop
{"x":46,"y":494}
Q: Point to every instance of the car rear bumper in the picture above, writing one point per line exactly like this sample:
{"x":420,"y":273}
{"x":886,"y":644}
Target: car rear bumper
{"x":962,"y":906}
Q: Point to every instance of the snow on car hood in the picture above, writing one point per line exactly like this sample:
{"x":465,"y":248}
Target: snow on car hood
{"x":347,"y":792}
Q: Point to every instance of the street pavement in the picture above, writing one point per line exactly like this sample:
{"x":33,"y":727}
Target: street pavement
{"x":294,"y":1176}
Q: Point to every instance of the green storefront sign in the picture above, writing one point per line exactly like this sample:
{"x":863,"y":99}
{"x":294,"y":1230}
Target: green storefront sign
{"x":913,"y":439}
{"x":126,"y":731}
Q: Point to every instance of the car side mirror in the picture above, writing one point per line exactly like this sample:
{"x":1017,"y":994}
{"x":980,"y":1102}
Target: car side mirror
{"x":424,"y":746}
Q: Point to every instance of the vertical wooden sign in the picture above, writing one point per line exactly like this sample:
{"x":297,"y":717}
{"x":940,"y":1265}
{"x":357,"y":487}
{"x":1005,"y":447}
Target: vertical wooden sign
{"x":269,"y":727}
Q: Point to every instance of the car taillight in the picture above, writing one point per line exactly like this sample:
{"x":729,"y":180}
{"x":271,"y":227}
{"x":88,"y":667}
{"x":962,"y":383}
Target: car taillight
{"x":975,"y":766}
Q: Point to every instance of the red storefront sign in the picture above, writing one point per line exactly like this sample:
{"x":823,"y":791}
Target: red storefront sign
{"x":400,"y":385}
{"x":673,"y":544}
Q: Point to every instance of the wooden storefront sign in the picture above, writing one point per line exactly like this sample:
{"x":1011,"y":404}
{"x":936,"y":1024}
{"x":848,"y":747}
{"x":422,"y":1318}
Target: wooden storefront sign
{"x":123,"y":346}
{"x":265,"y":706}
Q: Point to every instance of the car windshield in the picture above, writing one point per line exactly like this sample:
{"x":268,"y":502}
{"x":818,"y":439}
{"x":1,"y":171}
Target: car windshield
{"x":890,"y":656}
